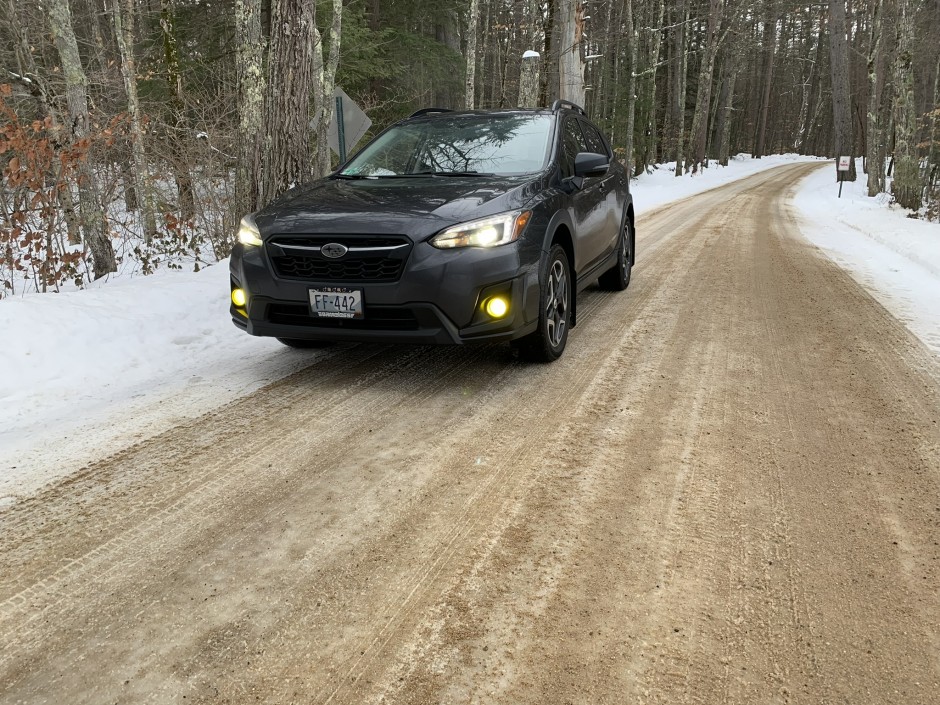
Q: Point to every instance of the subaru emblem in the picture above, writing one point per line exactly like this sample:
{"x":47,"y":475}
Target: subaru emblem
{"x":333,"y":250}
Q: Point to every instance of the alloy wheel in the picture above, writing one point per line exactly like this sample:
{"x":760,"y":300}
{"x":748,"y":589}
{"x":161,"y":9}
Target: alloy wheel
{"x":556,"y":307}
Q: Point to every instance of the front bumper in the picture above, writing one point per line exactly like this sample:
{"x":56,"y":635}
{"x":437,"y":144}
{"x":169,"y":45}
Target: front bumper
{"x":437,"y":299}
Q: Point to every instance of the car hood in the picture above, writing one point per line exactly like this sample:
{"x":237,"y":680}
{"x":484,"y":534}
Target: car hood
{"x":418,"y":207}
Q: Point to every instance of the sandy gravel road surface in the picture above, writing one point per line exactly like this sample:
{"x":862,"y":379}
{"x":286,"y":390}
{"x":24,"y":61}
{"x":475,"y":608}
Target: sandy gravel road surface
{"x":727,"y":491}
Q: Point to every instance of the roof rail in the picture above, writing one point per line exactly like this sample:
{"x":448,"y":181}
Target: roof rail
{"x":568,"y":104}
{"x":425,"y":111}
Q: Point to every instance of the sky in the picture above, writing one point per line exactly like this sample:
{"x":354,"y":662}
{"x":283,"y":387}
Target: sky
{"x":86,"y":373}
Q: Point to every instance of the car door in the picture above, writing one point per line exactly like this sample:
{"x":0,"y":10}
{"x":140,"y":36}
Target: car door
{"x":587,"y":204}
{"x":610,"y":185}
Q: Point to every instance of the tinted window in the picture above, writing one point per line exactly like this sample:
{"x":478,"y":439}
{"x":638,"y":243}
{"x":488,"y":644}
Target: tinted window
{"x":595,"y":142}
{"x":573,"y":143}
{"x":498,"y":144}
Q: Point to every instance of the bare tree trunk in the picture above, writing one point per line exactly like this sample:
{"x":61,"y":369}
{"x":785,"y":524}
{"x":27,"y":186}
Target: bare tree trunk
{"x":724,"y":148}
{"x":124,"y":34}
{"x":649,"y":134}
{"x":841,"y":87}
{"x":731,"y":66}
{"x":681,"y":58}
{"x":472,"y":29}
{"x":699,"y":131}
{"x":27,"y":74}
{"x":324,"y":80}
{"x":94,"y":225}
{"x":817,"y":100}
{"x":446,"y":32}
{"x":174,"y":78}
{"x":933,"y":166}
{"x":286,"y":155}
{"x":549,"y":56}
{"x":570,"y":59}
{"x":906,"y":187}
{"x":876,"y":149}
{"x":630,"y":33}
{"x":813,"y":39}
{"x":769,"y":45}
{"x":250,"y":90}
{"x":529,"y":80}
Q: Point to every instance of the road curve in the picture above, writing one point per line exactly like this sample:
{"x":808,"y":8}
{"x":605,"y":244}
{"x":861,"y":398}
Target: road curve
{"x":726,"y":491}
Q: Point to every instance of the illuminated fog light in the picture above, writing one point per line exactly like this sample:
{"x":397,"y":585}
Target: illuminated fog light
{"x":496,"y":307}
{"x":239,"y":298}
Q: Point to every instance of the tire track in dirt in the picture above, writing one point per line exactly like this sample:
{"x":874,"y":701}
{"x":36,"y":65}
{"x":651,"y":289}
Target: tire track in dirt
{"x":670,"y":513}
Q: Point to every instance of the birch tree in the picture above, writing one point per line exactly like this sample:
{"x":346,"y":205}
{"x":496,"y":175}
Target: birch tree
{"x":699,"y":132}
{"x":472,"y":30}
{"x":906,"y":187}
{"x":93,"y":225}
{"x":249,"y":89}
{"x":876,"y":148}
{"x":324,"y":87}
{"x":177,"y":121}
{"x":124,"y":36}
{"x":630,"y":108}
{"x":678,"y":67}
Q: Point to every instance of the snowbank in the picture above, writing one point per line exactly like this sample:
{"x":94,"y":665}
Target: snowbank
{"x":894,"y":257}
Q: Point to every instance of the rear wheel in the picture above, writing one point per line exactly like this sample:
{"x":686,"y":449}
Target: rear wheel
{"x":547,"y":343}
{"x":301,"y":344}
{"x":617,"y":278}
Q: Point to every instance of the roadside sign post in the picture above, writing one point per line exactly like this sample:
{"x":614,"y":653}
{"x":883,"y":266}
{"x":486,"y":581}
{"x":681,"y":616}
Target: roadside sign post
{"x":340,"y":129}
{"x":348,"y":126}
{"x":844,"y":164}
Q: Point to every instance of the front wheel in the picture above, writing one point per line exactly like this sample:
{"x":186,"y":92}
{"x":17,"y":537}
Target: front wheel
{"x":547,"y":343}
{"x":617,"y":278}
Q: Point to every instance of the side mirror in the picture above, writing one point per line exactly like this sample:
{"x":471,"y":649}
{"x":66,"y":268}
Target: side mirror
{"x":591,"y":164}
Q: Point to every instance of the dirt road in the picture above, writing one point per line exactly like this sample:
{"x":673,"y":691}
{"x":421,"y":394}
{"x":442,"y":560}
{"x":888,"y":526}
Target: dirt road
{"x":727,"y":491}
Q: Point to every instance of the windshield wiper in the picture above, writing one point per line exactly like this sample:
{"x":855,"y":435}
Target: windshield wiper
{"x":455,"y":173}
{"x":414,"y":174}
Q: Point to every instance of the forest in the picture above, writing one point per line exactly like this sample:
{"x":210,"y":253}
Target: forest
{"x":135,"y":133}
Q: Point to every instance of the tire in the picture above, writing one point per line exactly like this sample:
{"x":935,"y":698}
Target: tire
{"x":617,"y":278}
{"x":300,"y":344}
{"x":547,"y":343}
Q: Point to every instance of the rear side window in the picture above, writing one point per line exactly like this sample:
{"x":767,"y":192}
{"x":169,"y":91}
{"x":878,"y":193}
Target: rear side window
{"x":595,"y":143}
{"x":573,"y":142}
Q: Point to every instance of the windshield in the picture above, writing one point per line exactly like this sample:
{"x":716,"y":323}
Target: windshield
{"x":504,"y":144}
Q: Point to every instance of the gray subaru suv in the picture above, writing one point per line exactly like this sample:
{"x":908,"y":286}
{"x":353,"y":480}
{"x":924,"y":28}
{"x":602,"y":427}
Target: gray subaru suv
{"x":447,"y":228}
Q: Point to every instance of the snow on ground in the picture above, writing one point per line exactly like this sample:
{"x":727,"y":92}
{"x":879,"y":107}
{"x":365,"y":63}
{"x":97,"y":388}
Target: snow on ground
{"x":895,"y":258}
{"x":86,"y":373}
{"x":663,"y":186}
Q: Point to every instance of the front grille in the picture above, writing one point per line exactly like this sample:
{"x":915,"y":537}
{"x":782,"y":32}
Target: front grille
{"x":348,"y":240}
{"x":375,"y":269}
{"x":375,"y":318}
{"x":371,"y":258}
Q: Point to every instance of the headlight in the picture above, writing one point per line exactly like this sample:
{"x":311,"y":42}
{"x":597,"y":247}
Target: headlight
{"x":248,"y":233}
{"x":487,"y":232}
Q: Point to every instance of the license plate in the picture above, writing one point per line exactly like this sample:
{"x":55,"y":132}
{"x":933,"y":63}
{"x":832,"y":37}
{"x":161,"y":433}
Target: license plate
{"x":336,"y":302}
